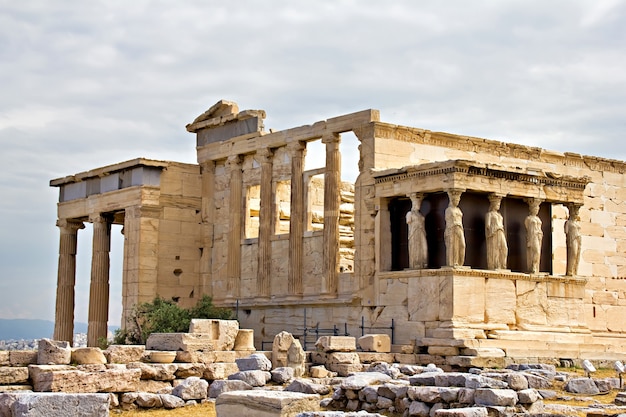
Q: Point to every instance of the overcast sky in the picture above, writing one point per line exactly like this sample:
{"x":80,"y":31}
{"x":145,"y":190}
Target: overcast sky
{"x":90,"y":83}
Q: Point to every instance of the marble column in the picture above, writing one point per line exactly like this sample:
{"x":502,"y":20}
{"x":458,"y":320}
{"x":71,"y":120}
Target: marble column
{"x":297,"y":151}
{"x":99,"y":289}
{"x":233,"y":268}
{"x":66,"y":280}
{"x":332,"y":201}
{"x":266,"y":216}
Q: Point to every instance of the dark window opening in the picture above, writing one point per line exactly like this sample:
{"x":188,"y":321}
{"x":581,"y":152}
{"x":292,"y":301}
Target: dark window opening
{"x":475,"y":208}
{"x":433,"y":208}
{"x":398,"y":208}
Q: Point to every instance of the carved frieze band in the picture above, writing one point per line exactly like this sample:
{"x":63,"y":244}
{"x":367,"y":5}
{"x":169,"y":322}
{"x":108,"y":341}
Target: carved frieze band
{"x":491,"y":173}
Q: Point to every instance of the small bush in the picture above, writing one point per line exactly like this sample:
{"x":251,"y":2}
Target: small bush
{"x":165,"y":316}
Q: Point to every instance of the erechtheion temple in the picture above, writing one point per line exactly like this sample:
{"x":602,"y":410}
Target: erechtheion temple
{"x":462,"y":246}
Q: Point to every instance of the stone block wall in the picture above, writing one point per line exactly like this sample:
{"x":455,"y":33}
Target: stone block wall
{"x":178,"y":236}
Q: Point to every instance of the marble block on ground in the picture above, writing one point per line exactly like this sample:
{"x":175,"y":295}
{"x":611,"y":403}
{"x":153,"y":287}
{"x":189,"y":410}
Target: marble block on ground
{"x":265,"y":403}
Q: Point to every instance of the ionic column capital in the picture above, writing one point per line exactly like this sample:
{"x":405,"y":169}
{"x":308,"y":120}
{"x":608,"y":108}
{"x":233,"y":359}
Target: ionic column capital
{"x":208,"y":165}
{"x":70,"y":225}
{"x":233,"y":161}
{"x":99,"y":218}
{"x":296,"y":147}
{"x":331,"y":138}
{"x":265,"y":155}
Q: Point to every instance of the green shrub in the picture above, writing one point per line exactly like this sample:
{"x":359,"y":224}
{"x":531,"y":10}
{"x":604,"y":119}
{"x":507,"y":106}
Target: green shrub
{"x":205,"y":309}
{"x":165,"y":316}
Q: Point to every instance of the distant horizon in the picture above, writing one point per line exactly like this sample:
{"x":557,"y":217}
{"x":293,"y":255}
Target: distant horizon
{"x":52,"y":321}
{"x":28,"y":329}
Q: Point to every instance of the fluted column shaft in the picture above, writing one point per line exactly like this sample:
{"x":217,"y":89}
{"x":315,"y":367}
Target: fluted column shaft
{"x":99,"y":289}
{"x":264,"y":269}
{"x":332,"y":201}
{"x":66,"y":280}
{"x":233,"y":271}
{"x":297,"y":220}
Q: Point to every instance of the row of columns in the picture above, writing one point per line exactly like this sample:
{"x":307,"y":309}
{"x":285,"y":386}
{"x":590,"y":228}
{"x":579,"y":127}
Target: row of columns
{"x":99,"y":287}
{"x":497,"y":248}
{"x":332,"y":183}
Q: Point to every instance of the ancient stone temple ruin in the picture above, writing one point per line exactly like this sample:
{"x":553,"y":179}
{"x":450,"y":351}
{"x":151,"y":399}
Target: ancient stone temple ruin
{"x":455,"y":245}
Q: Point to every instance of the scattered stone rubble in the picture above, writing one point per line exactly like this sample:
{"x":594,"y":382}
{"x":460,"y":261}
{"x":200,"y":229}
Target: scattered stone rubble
{"x":285,"y":382}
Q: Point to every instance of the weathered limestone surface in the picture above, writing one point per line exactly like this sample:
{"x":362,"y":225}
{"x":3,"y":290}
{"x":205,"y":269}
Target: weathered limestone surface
{"x":181,"y":341}
{"x":287,"y":351}
{"x":185,"y":370}
{"x":192,"y":388}
{"x":157,"y":371}
{"x":60,"y":405}
{"x":74,"y":381}
{"x":88,"y":356}
{"x":220,"y":386}
{"x":336,"y":343}
{"x":207,"y":357}
{"x":223,"y":332}
{"x":155,"y":387}
{"x":52,"y":352}
{"x":265,"y":403}
{"x":148,"y":400}
{"x":13,"y":375}
{"x":124,"y":353}
{"x":220,"y":370}
{"x":375,"y":343}
{"x":256,"y":361}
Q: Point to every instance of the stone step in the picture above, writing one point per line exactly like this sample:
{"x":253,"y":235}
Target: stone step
{"x":523,"y":335}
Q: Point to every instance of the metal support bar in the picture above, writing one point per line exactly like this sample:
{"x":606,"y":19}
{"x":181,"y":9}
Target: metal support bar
{"x":392,"y":328}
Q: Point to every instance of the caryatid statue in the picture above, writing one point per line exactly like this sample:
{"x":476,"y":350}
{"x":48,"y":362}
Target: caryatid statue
{"x":573,"y":240}
{"x":418,"y":247}
{"x":534,"y":236}
{"x":454,"y":236}
{"x":497,"y":248}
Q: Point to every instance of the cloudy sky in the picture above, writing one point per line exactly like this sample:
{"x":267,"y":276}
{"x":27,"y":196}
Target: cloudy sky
{"x":90,"y":83}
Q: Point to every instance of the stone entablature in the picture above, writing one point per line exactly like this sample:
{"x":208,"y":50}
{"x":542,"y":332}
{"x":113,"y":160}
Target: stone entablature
{"x":137,"y":172}
{"x":481,"y":177}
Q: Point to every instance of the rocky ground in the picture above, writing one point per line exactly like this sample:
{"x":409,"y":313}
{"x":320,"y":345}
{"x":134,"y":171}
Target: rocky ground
{"x":334,"y":377}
